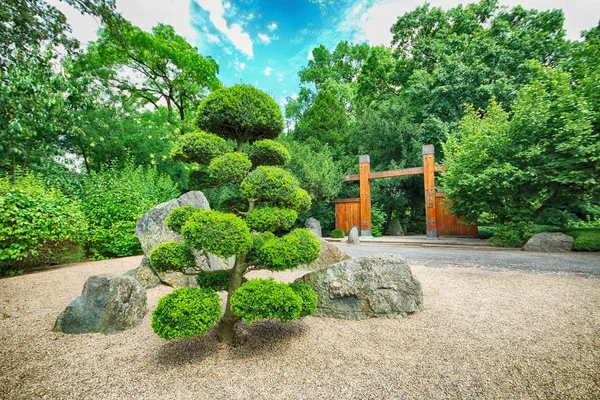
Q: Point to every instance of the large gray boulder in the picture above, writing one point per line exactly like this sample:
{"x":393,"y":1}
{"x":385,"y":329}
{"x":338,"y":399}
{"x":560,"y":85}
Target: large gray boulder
{"x":314,"y":225}
{"x":330,"y":254}
{"x":151,"y":231}
{"x":379,"y":286}
{"x":353,"y":237}
{"x":549,"y":242}
{"x":395,"y":228}
{"x":108,"y":304}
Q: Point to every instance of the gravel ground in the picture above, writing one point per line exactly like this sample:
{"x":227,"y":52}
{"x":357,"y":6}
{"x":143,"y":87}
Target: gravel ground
{"x":483,"y":334}
{"x":580,"y":263}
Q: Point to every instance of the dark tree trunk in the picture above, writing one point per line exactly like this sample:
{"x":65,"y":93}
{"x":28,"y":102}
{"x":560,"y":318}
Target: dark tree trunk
{"x":226,"y":328}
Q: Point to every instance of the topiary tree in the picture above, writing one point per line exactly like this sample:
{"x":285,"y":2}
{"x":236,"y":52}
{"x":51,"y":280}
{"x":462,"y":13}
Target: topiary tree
{"x":258,"y":234}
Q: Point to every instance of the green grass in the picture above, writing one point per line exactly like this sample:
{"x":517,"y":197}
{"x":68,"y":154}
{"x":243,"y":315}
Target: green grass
{"x":586,"y":239}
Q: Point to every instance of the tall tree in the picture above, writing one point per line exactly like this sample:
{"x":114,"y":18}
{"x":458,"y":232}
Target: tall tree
{"x":160,"y":67}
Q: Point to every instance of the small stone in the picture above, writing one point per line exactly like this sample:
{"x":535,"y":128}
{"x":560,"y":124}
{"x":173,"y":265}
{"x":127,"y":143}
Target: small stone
{"x":314,"y":225}
{"x":109,"y":304}
{"x":353,"y":237}
{"x":550,"y":242}
{"x":395,"y":228}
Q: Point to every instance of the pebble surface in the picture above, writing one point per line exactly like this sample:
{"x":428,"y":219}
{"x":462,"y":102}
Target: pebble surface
{"x":482,"y":335}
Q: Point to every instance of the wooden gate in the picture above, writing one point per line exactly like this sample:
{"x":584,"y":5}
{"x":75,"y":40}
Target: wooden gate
{"x":448,"y":224}
{"x":347,"y":214}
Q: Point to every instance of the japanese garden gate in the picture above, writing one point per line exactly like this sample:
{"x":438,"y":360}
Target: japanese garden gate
{"x":439,"y":220}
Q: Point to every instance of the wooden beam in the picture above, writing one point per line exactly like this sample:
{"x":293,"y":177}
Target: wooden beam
{"x":365,"y":195}
{"x":429,"y":181}
{"x":393,"y":173}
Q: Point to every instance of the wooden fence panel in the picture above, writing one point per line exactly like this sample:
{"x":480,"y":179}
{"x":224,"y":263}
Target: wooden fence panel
{"x":347,"y":214}
{"x":448,"y":224}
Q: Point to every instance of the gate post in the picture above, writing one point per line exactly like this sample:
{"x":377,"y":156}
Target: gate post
{"x":429,"y":178}
{"x":365,"y":195}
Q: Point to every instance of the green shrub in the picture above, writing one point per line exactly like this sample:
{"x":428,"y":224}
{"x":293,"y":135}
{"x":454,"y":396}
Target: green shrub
{"x":179,"y":216}
{"x":585,"y":239}
{"x":198,"y":178}
{"x":172,"y":256}
{"x":310,"y":299}
{"x":229,"y":168}
{"x":258,"y":239}
{"x":114,"y":200}
{"x":37,"y":225}
{"x":299,"y":200}
{"x":337,"y":233}
{"x":266,"y":299}
{"x":271,"y":219}
{"x":378,"y":220}
{"x":546,"y":228}
{"x":555,"y":217}
{"x":486,"y":232}
{"x":222,"y":234}
{"x":198,"y":147}
{"x":268,"y":152}
{"x":269,"y":184}
{"x":215,"y":280}
{"x":296,"y":248}
{"x":185,"y":313}
{"x":511,"y":234}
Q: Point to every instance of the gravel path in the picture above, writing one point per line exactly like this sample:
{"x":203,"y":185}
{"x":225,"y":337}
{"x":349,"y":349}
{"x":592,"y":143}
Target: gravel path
{"x":483,"y":334}
{"x":587,"y":264}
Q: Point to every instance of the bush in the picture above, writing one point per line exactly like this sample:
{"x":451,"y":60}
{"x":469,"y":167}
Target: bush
{"x":258,"y":240}
{"x":555,"y":217}
{"x":486,"y":232}
{"x":229,"y":168}
{"x":296,"y":248}
{"x":378,"y":219}
{"x":37,"y":225}
{"x":585,"y":239}
{"x":172,"y":256}
{"x":185,"y":313}
{"x":198,"y":147}
{"x":310,"y":299}
{"x":266,"y":299}
{"x":268,"y":152}
{"x":511,"y":234}
{"x":269,"y":184}
{"x":114,"y":200}
{"x":337,"y":233}
{"x":271,"y":219}
{"x":215,"y":280}
{"x":299,"y":200}
{"x":179,"y":216}
{"x":222,"y":234}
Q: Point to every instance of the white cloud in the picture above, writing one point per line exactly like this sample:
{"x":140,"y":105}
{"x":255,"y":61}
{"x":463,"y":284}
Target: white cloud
{"x":280,"y":77}
{"x":240,"y":66}
{"x":213,"y":38}
{"x":310,"y":56}
{"x":294,"y":96}
{"x":268,"y":71}
{"x":272,"y":26}
{"x":240,"y":39}
{"x":264,"y":38}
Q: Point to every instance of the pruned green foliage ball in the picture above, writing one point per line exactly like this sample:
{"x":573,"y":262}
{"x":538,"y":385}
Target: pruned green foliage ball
{"x":337,"y":233}
{"x":198,"y":178}
{"x":178,"y":217}
{"x":186,"y":312}
{"x":269,"y":184}
{"x":296,"y":248}
{"x":172,"y":256}
{"x":310,"y":298}
{"x":215,"y":280}
{"x":271,"y":219}
{"x":266,"y":299}
{"x":241,"y":113}
{"x":199,"y":147}
{"x":269,"y":152}
{"x":299,"y":200}
{"x":230,"y":168}
{"x":258,"y":239}
{"x":222,"y":234}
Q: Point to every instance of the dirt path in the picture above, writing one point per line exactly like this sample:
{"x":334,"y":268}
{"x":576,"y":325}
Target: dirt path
{"x":482,"y":334}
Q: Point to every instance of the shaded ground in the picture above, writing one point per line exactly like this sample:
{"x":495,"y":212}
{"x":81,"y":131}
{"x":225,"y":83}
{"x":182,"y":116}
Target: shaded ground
{"x":573,"y":263}
{"x":482,"y":334}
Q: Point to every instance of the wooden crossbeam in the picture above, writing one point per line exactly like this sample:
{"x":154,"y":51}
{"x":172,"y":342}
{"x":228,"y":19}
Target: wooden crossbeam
{"x":393,"y":173}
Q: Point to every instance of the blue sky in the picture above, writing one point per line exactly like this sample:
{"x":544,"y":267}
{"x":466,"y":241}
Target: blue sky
{"x":266,"y":42}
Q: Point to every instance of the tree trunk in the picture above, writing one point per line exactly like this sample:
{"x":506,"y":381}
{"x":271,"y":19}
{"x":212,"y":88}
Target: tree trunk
{"x":226,"y":329}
